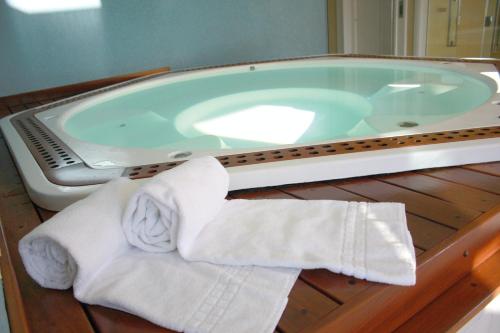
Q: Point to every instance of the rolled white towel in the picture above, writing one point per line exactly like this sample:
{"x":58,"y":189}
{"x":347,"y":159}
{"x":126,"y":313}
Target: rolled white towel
{"x":174,"y":206}
{"x":184,"y":208}
{"x":69,"y":248}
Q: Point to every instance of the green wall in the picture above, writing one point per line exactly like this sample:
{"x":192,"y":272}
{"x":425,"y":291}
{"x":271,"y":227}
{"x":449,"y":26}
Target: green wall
{"x":52,"y":48}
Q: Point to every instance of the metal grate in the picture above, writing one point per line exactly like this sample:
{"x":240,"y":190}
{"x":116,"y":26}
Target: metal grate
{"x":48,"y":150}
{"x":329,"y":149}
{"x":58,"y":162}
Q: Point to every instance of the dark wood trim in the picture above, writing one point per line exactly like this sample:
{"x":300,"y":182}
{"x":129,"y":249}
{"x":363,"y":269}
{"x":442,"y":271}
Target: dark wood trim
{"x":13,"y":300}
{"x":41,"y":310}
{"x":467,"y":297}
{"x":34,"y":97}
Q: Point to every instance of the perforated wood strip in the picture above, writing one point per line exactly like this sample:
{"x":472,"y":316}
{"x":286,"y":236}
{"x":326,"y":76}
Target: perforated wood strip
{"x":337,"y":148}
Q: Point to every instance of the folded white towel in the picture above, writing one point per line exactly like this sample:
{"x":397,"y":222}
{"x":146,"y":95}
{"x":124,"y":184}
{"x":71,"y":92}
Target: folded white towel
{"x":185,"y":209}
{"x":84,"y":246}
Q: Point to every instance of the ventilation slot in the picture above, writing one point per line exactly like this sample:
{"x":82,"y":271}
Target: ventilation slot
{"x":48,"y":150}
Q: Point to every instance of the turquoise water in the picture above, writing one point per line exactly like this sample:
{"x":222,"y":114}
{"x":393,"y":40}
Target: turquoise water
{"x":265,"y":108}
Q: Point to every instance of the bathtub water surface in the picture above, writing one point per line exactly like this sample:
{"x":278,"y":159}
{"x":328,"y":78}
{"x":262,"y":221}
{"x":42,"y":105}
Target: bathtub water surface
{"x":258,"y":107}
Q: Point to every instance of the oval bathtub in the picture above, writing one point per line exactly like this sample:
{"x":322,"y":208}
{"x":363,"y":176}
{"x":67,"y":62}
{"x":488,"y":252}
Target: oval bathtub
{"x":269,"y":123}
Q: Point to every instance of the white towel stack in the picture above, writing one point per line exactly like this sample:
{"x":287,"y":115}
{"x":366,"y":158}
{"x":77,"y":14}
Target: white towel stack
{"x":84,"y":246}
{"x":200,"y":263}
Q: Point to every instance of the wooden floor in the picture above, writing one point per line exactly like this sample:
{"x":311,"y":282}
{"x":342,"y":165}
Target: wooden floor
{"x":453,"y":215}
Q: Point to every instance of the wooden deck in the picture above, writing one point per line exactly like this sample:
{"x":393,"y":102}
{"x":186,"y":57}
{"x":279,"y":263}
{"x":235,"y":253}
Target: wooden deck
{"x":453,"y":215}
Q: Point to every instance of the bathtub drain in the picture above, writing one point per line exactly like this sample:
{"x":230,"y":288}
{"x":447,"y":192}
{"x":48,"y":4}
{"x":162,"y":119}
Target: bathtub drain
{"x":180,"y":154}
{"x":407,"y":124}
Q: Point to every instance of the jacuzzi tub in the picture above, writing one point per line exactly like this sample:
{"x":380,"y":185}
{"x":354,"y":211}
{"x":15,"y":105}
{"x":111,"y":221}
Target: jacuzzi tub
{"x":269,"y":123}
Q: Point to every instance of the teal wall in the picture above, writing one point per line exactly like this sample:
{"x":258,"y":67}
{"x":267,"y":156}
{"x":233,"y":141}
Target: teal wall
{"x":56,"y":48}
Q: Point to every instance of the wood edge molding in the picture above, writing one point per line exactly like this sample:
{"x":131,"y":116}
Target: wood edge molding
{"x":87,"y":85}
{"x":474,"y":291}
{"x":383,"y":308}
{"x":474,"y":311}
{"x":13,"y":300}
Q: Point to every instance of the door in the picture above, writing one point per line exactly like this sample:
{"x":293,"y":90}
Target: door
{"x":369,"y":26}
{"x":460,"y":28}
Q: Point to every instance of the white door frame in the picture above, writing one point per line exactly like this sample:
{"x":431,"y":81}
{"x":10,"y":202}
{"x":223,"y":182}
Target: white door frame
{"x":420,"y":40}
{"x":350,"y":43}
{"x":398,"y":28}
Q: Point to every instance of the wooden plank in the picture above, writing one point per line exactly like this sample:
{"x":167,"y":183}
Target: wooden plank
{"x":11,"y":100}
{"x":339,"y":287}
{"x":489,"y":168}
{"x":17,"y":108}
{"x":445,"y":190}
{"x":12,"y":295}
{"x":43,"y":308}
{"x":27,"y":98}
{"x":10,"y":182}
{"x":467,"y":177}
{"x":422,"y":205}
{"x":4,"y":110}
{"x":425,"y":233}
{"x":67,"y":90}
{"x":41,"y":96}
{"x":305,"y":306}
{"x":384,"y":308}
{"x":31,"y":105}
{"x":108,"y":320}
{"x":321,"y":191}
{"x":459,"y":303}
{"x":260,"y":194}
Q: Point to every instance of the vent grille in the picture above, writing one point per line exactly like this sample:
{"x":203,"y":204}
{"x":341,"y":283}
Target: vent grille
{"x":329,"y":149}
{"x":48,"y":150}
